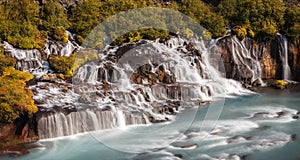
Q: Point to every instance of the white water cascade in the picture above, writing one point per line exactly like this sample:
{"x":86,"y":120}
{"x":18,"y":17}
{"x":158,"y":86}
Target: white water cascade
{"x":27,"y":60}
{"x":60,"y":124}
{"x":190,"y":79}
{"x":286,"y":71}
{"x":34,"y":60}
{"x":148,"y":83}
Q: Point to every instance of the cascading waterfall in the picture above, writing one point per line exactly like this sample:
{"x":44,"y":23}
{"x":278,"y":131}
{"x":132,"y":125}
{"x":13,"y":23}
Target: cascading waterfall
{"x":189,"y":79}
{"x":34,"y":60}
{"x":27,"y":60}
{"x":286,"y":71}
{"x":148,"y":83}
{"x":59,"y":124}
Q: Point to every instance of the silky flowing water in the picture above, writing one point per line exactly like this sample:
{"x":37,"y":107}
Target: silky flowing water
{"x":259,"y":127}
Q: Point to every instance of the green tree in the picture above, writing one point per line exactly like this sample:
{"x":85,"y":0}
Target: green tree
{"x":264,"y":17}
{"x":15,"y":98}
{"x":64,"y":65}
{"x":19,"y":23}
{"x":85,"y":17}
{"x":54,"y":20}
{"x":204,"y":15}
{"x":292,"y":22}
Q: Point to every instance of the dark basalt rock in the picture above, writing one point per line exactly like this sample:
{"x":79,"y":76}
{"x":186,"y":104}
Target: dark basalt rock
{"x":234,"y":138}
{"x":295,"y":117}
{"x":263,"y":128}
{"x":260,"y":114}
{"x":293,"y":137}
{"x":153,"y":120}
{"x":246,"y":157}
{"x":281,"y":113}
{"x":178,"y":155}
{"x":107,"y":108}
{"x":186,"y":146}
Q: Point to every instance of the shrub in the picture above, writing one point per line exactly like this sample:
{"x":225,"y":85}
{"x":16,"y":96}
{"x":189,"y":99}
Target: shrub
{"x":188,"y":33}
{"x":5,"y":60}
{"x":250,"y":33}
{"x":64,"y":65}
{"x":84,"y":56}
{"x":19,"y":24}
{"x":79,"y":39}
{"x":60,"y":34}
{"x":262,"y":16}
{"x":292,"y":22}
{"x":15,"y":98}
{"x":7,"y":115}
{"x":280,"y":84}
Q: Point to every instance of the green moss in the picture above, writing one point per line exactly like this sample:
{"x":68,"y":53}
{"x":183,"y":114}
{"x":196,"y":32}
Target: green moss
{"x":241,"y":33}
{"x":64,"y":65}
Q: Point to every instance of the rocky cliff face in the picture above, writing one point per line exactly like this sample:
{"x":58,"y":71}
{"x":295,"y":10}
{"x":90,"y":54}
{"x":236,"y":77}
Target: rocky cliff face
{"x":249,"y":61}
{"x":294,"y":59}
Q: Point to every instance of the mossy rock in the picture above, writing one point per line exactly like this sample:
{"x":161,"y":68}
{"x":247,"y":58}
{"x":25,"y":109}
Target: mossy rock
{"x":280,"y":84}
{"x":63,"y":65}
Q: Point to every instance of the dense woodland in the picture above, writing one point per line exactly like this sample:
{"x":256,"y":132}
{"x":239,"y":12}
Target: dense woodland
{"x":26,"y":24}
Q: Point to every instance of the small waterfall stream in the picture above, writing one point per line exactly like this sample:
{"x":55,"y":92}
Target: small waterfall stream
{"x":35,"y":61}
{"x":286,"y":71}
{"x":245,"y":60}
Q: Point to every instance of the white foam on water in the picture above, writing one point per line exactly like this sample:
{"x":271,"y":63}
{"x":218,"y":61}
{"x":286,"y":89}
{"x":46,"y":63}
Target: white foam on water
{"x":268,"y":113}
{"x":225,"y":127}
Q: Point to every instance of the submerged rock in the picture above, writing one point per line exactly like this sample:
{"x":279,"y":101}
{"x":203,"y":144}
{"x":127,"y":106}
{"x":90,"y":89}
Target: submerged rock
{"x":295,"y":117}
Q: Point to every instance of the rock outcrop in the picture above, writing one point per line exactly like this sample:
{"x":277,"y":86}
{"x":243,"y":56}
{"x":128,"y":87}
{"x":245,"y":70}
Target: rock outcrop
{"x":248,"y":60}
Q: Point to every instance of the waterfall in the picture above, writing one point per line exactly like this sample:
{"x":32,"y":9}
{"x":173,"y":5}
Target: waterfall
{"x":149,"y":83}
{"x":246,"y":62}
{"x":34,"y":60}
{"x":27,"y":60}
{"x":286,"y":71}
{"x":60,"y":48}
{"x":59,"y":124}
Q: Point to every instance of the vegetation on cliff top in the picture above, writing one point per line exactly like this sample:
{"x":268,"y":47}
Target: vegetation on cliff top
{"x":15,"y":98}
{"x":27,"y":23}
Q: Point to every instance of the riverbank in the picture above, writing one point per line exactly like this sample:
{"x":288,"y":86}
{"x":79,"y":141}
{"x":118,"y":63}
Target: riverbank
{"x":19,"y":149}
{"x":293,"y":87}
